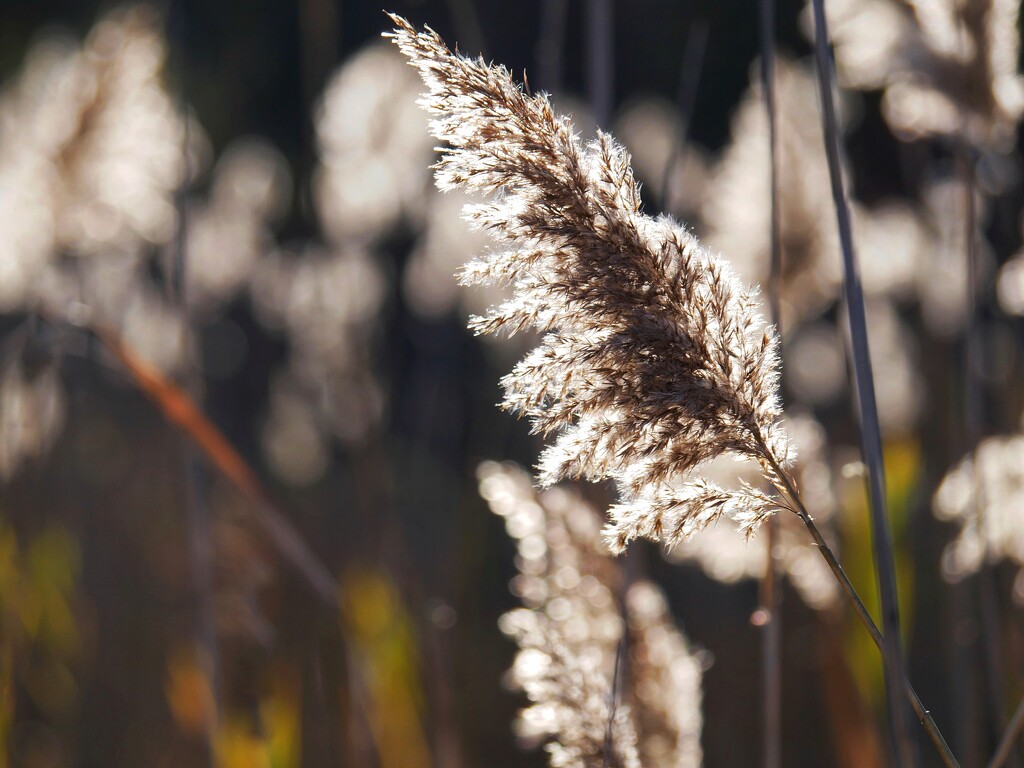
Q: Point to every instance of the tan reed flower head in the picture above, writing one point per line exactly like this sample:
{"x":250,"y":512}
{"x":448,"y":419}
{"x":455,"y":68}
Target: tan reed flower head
{"x":942,"y":64}
{"x":727,"y":558}
{"x":569,"y":630}
{"x":445,"y":245}
{"x":654,"y":357}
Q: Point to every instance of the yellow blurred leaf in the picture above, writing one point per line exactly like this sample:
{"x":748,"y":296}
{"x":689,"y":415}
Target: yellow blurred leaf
{"x":902,"y":469}
{"x":189,"y":692}
{"x":380,"y":631}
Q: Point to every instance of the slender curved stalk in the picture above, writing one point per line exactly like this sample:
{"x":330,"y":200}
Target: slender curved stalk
{"x":178,"y":408}
{"x":771,"y":653}
{"x":689,"y":80}
{"x":994,"y":658}
{"x":613,"y":700}
{"x":1013,"y":730}
{"x":771,"y":582}
{"x":871,"y":437}
{"x":198,"y":522}
{"x":787,"y":489}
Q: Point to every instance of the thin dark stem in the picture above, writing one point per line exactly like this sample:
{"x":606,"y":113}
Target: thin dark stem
{"x":1013,"y":730}
{"x":179,"y":409}
{"x":871,"y":437}
{"x":549,"y":44}
{"x":771,"y":653}
{"x":613,"y":700}
{"x":197,"y":511}
{"x":600,"y":59}
{"x":689,"y":80}
{"x":768,"y":88}
{"x":785,"y":486}
{"x":962,"y":684}
{"x":771,"y":582}
{"x":995,"y":666}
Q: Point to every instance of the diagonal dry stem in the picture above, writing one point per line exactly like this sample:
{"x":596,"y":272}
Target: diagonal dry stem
{"x":179,"y":409}
{"x":785,"y":486}
{"x":1013,"y":730}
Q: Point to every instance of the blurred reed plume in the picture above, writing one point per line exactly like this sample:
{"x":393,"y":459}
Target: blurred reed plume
{"x":654,"y":359}
{"x":735,"y":210}
{"x":945,"y":67}
{"x":92,"y":155}
{"x":983,"y":496}
{"x":570,"y":627}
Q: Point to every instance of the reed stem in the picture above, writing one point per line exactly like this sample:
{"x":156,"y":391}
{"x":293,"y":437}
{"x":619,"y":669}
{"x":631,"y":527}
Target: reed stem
{"x":689,"y":80}
{"x":786,"y":487}
{"x":1013,"y":730}
{"x":771,"y":582}
{"x":198,"y":523}
{"x":871,"y":437}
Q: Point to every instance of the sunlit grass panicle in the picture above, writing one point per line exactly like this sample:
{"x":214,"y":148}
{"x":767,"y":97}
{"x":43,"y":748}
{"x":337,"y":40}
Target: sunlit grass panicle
{"x":654,"y":358}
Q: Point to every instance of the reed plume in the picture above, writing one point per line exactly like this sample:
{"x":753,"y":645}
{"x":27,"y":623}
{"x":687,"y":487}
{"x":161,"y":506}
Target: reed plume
{"x":983,"y":495}
{"x":654,"y":358}
{"x":570,"y":627}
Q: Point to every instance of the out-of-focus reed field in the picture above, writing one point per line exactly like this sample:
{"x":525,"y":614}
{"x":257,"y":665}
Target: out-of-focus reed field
{"x":258,"y":508}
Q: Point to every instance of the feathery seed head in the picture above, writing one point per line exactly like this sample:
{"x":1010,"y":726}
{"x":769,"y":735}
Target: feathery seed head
{"x":654,"y":358}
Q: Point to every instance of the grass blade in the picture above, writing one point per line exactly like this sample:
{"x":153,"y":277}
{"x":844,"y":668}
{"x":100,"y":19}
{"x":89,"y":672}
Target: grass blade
{"x":871,"y":437}
{"x":689,"y":80}
{"x":771,"y":582}
{"x":1009,"y":738}
{"x":179,"y":409}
